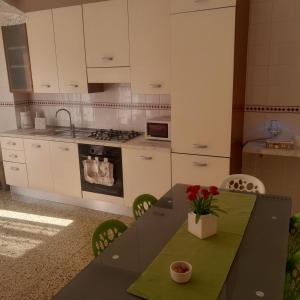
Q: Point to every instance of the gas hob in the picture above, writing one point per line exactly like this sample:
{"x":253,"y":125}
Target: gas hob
{"x":114,"y":135}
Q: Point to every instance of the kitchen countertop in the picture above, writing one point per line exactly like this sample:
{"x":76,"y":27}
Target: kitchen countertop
{"x":138,"y":143}
{"x":259,"y":148}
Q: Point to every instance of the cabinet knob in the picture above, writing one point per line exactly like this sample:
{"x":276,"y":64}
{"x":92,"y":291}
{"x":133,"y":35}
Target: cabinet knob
{"x":110,"y":58}
{"x":11,"y":144}
{"x":75,"y":85}
{"x":36,"y":146}
{"x":15,"y":169}
{"x":156,"y":85}
{"x":64,"y":148}
{"x":46,"y":85}
{"x":199,"y":164}
{"x":146,"y":157}
{"x":200,"y":146}
{"x":13,"y":156}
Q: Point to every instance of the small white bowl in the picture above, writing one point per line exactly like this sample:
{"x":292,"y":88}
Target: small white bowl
{"x":181,"y":277}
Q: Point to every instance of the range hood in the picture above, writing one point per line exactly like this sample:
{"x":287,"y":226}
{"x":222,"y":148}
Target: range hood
{"x":10,"y":15}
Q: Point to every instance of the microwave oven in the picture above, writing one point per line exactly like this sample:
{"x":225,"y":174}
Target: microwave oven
{"x":158,"y":129}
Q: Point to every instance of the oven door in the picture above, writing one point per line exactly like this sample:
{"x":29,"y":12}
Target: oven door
{"x":101,"y":170}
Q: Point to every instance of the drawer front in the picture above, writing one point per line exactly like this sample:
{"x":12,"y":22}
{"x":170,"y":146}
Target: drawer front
{"x":13,"y":155}
{"x":203,"y":170}
{"x":12,"y":143}
{"x":179,"y":6}
{"x":15,"y":174}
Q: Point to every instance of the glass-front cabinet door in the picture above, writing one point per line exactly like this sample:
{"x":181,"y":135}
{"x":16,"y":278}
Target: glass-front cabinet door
{"x":17,"y":58}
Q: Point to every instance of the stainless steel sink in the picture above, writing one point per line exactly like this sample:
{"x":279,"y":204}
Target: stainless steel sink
{"x":66,"y":133}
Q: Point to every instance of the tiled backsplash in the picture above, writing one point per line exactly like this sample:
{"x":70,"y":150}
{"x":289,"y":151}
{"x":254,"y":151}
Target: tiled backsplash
{"x":273,"y":89}
{"x":114,"y":108}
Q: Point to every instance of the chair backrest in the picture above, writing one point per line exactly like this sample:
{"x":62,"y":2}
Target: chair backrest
{"x":292,"y":278}
{"x":141,"y":204}
{"x":243,"y":183}
{"x":105,"y":234}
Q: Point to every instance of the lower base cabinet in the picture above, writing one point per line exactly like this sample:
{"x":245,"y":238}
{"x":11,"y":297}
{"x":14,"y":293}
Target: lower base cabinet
{"x":202,"y":170}
{"x":15,"y":174}
{"x":145,"y":172}
{"x":65,"y":169}
{"x":37,"y":154}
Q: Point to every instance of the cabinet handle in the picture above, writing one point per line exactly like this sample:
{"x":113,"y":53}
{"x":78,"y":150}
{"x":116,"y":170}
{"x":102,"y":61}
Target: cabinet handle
{"x":36,"y":146}
{"x":46,"y":85}
{"x":200,"y":146}
{"x":64,"y":148}
{"x":13,"y":156}
{"x":15,"y":169}
{"x":11,"y":144}
{"x":110,"y":58}
{"x":146,"y":157}
{"x":74,"y":85}
{"x":198,"y":164}
{"x":156,"y":85}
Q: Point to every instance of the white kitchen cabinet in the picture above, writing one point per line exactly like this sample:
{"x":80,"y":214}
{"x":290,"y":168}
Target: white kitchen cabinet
{"x":65,"y":169}
{"x":15,"y":174}
{"x":70,"y":51}
{"x":202,"y":81}
{"x":145,"y":172}
{"x":38,"y":162}
{"x":179,"y":6}
{"x":42,"y":52}
{"x":202,"y":170}
{"x":150,"y":39}
{"x":13,"y":156}
{"x":106,"y":33}
{"x":12,"y":143}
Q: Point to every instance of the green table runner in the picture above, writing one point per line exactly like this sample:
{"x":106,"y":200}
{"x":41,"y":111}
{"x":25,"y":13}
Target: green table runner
{"x":211,"y":258}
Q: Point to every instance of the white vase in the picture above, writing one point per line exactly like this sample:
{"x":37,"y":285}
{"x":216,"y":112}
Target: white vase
{"x":207,"y":225}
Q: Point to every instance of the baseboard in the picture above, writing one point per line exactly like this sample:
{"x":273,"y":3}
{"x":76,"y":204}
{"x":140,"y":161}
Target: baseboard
{"x":86,"y":203}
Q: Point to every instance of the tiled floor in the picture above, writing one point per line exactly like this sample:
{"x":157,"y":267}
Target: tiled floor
{"x":43,"y":245}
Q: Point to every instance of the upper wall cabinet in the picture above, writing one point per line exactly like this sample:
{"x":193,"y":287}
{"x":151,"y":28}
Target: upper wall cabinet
{"x":178,"y":6}
{"x":56,"y":45}
{"x":17,"y":58}
{"x":202,"y":81}
{"x":70,"y":52}
{"x":106,"y":33}
{"x":42,"y":52}
{"x":150,"y":35}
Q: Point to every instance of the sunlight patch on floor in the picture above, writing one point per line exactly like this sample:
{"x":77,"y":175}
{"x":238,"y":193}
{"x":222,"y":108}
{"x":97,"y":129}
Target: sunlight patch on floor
{"x":29,"y":228}
{"x":14,"y":246}
{"x":34,"y":218}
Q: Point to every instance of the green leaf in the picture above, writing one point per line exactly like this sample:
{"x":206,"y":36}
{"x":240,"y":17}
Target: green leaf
{"x":198,"y":218}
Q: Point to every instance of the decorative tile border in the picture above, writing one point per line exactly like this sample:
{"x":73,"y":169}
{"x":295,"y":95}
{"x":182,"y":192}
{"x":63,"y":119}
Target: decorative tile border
{"x":105,"y":105}
{"x":7,"y":104}
{"x":273,"y":109}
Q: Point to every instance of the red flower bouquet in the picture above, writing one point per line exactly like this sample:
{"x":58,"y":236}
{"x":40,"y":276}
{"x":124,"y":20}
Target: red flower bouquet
{"x":203,"y":200}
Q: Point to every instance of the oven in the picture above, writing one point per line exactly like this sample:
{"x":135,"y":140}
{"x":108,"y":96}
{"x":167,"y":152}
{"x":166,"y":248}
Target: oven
{"x":101,"y":169}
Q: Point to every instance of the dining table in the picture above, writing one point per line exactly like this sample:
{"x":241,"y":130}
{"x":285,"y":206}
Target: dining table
{"x":257,"y":270}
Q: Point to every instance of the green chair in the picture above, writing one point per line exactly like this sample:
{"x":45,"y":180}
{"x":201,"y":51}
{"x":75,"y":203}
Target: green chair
{"x":105,"y":234}
{"x":292,"y":278}
{"x":141,"y":204}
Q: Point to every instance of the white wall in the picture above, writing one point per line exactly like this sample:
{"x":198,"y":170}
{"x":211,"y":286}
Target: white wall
{"x":273,"y":67}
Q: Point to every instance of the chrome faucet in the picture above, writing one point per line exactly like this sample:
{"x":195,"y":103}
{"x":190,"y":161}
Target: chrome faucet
{"x":72,"y":126}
